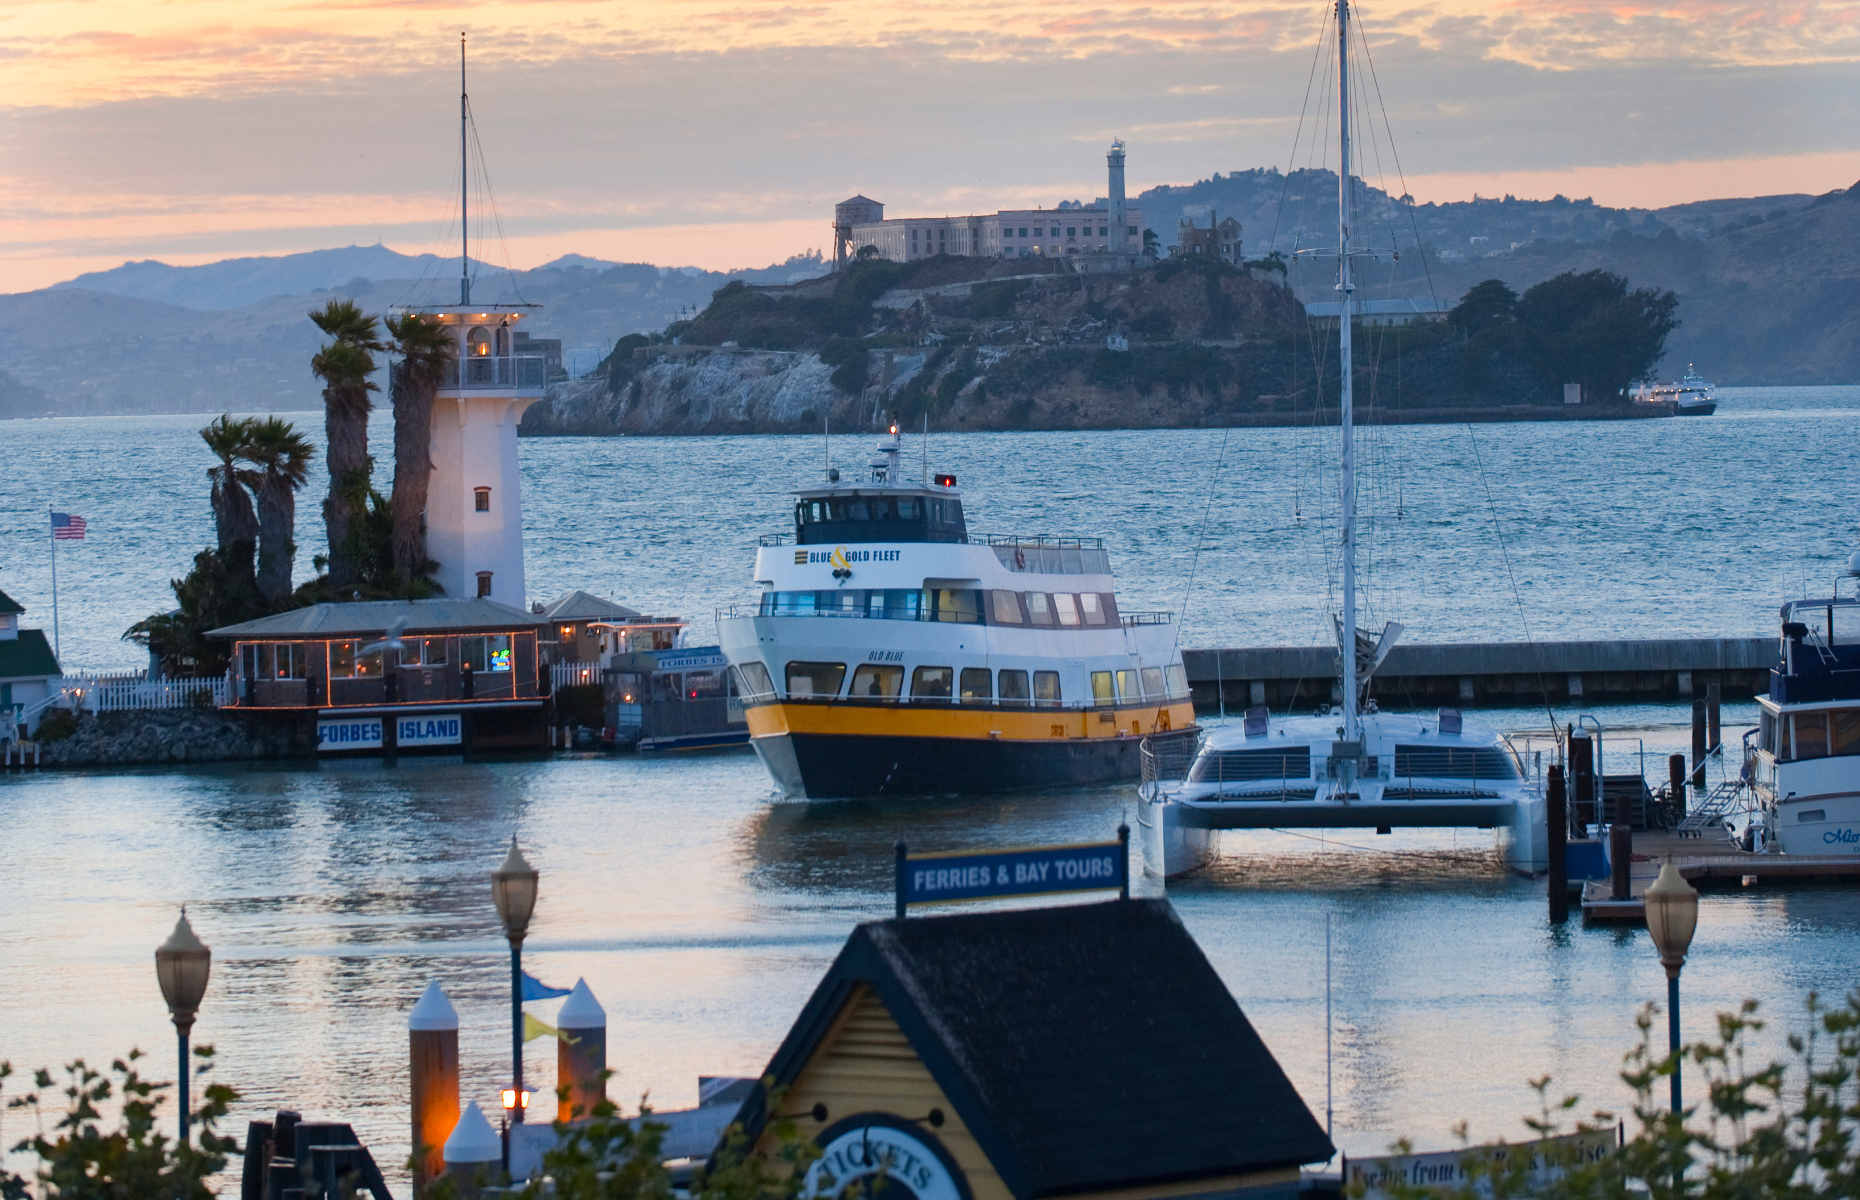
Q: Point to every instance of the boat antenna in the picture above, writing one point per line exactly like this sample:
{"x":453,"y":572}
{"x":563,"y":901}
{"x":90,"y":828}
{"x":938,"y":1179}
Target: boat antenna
{"x":1346,"y":414}
{"x":464,"y":195}
{"x":1328,"y":1026}
{"x":826,"y":437}
{"x":926,"y":445}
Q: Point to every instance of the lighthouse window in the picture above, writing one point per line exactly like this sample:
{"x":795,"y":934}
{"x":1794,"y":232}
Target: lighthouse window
{"x":1014,"y":685}
{"x":481,"y":499}
{"x":484,"y":583}
{"x":931,"y":683}
{"x":976,"y":683}
{"x":1066,"y":605}
{"x":1004,"y":608}
{"x":877,"y":681}
{"x":478,"y":342}
{"x":1046,"y":687}
{"x":815,"y":679}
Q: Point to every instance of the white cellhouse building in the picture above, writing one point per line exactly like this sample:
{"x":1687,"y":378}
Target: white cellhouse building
{"x":1010,"y":233}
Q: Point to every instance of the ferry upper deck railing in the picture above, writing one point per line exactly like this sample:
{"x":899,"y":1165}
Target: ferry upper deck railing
{"x":755,"y":609}
{"x":521,"y":372}
{"x":1021,"y":552}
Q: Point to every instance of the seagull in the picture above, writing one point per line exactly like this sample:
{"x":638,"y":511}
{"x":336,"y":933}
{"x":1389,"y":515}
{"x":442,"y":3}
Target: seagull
{"x":390,"y":640}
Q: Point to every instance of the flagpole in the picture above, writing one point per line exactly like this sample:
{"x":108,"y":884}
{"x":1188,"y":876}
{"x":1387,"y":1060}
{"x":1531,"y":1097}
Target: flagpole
{"x":56,"y":648}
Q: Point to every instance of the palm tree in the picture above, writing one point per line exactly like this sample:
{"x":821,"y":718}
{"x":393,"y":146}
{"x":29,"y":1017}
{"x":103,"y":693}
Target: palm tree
{"x":344,"y":366}
{"x":234,"y":521}
{"x":426,"y":350}
{"x":282,"y":456}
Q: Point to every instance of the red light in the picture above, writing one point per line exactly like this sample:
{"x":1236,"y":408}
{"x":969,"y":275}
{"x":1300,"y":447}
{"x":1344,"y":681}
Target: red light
{"x":946,"y":481}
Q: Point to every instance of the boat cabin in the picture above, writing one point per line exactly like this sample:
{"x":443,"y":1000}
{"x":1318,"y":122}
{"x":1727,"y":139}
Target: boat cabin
{"x":881,"y":508}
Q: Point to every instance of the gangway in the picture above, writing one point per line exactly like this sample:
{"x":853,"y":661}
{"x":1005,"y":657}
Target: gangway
{"x":1723,"y":799}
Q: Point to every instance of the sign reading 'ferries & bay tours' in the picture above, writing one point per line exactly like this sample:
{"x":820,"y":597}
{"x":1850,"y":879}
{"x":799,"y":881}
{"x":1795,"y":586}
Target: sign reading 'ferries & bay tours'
{"x":958,"y":876}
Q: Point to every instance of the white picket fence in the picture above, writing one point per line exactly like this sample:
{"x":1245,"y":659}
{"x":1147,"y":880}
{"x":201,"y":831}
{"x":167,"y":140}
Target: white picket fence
{"x":134,"y":690}
{"x":573,"y":674}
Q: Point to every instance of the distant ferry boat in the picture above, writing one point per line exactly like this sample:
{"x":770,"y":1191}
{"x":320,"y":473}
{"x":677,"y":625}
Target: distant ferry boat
{"x":1690,"y":397}
{"x":891,"y":652}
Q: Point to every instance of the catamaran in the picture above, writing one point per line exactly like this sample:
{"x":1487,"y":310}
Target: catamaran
{"x":1350,"y":766}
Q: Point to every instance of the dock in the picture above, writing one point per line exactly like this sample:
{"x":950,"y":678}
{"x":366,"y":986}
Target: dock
{"x":1708,"y":866}
{"x":1473,"y":673}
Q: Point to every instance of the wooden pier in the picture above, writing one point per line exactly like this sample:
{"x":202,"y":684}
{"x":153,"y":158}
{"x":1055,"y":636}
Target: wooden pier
{"x":1708,"y":866}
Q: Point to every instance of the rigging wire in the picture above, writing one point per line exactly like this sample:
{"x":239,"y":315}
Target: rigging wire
{"x":1194,"y":562}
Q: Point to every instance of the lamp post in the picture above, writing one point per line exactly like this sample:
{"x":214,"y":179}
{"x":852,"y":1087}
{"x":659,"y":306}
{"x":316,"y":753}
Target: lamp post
{"x":513,"y":888}
{"x":182,"y":964}
{"x":1672,"y":915}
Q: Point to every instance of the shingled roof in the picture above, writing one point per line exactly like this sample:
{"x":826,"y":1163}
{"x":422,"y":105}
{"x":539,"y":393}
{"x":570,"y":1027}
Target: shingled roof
{"x":1087,"y":1047}
{"x":581,"y":606}
{"x":28,"y":656}
{"x":376,"y":616}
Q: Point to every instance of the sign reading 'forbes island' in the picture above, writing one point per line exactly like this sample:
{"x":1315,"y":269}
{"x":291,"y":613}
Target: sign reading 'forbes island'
{"x":1028,"y":871}
{"x":440,"y":729}
{"x":349,"y":733}
{"x":410,"y":732}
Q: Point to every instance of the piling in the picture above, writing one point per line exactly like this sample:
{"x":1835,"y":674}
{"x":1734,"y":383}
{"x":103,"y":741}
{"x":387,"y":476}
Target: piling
{"x":433,"y":1076}
{"x":580,"y":1064}
{"x":1557,"y":819}
{"x":1620,"y":854}
{"x":1582,"y":775}
{"x":1676,"y":782}
{"x":1714,"y":702}
{"x":472,"y":1152}
{"x":1699,"y":745}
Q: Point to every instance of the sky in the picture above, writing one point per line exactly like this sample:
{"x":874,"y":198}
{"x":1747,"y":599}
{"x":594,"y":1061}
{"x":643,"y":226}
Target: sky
{"x":719,"y":133}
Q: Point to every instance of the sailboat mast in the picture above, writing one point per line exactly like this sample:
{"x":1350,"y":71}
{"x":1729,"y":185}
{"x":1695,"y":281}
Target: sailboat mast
{"x":464,"y":176}
{"x":1346,"y":414}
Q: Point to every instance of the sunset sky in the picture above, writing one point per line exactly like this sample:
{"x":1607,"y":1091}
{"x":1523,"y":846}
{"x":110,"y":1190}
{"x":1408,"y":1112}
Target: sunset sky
{"x":720,"y":134}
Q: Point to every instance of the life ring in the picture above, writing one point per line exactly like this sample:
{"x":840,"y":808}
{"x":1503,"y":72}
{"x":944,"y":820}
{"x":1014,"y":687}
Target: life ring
{"x":1020,"y":559}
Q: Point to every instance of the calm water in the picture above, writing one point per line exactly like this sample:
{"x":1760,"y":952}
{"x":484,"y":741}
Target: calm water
{"x":702,"y":914}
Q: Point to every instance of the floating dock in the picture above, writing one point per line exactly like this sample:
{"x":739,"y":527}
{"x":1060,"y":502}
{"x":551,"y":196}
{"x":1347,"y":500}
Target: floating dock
{"x":1472,"y":673}
{"x":1707,"y":866}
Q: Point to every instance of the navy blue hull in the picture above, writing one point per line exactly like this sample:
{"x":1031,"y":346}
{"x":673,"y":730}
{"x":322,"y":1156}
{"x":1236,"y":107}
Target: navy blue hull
{"x":835,"y":766}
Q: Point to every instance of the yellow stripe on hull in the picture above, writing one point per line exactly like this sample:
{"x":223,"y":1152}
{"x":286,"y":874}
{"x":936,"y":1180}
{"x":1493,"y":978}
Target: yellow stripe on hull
{"x":965,"y":722}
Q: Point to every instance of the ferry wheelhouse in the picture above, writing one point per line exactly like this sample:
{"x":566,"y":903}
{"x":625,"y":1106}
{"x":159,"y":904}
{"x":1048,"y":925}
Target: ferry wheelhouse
{"x":891,"y":652}
{"x":1803,"y":759}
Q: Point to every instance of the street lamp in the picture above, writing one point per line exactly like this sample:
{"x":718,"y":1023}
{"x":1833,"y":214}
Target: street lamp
{"x":182,"y":964}
{"x":513,"y":888}
{"x":1672,"y":915}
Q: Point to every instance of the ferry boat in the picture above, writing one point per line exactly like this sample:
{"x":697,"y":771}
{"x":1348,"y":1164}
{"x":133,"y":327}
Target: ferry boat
{"x":1350,"y":766}
{"x":1690,"y":397}
{"x":1802,"y":762}
{"x":892,"y":652}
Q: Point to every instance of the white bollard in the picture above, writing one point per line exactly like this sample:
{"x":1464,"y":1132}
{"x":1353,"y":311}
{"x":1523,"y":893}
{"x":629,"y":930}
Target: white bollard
{"x":433,"y":1080}
{"x":473,"y":1151}
{"x":581,"y":1068}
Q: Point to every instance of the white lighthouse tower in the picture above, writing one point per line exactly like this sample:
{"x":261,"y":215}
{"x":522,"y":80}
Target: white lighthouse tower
{"x":474,"y":502}
{"x":1120,"y":235}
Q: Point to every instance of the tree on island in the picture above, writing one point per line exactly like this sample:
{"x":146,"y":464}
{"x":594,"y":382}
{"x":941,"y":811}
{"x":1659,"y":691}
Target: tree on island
{"x":345,"y":365}
{"x":282,"y":456}
{"x":1589,"y":328}
{"x":426,"y":351}
{"x":235,"y":523}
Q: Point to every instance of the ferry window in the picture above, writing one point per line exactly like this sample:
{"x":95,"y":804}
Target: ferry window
{"x":1067,"y":606}
{"x":907,"y":508}
{"x":903,"y":604}
{"x":815,"y":678}
{"x":1091,"y":608}
{"x":1101,"y":687}
{"x":1004,"y":607}
{"x":856,"y":510}
{"x":1811,"y":735}
{"x":788,"y":604}
{"x":1127,"y":685}
{"x":1110,"y":607}
{"x":1178,"y":680}
{"x":1153,"y":683}
{"x":753,"y":680}
{"x":816,"y":510}
{"x":976,"y":684}
{"x":870,"y":680}
{"x":1046,"y":687}
{"x":1844,"y":731}
{"x":1014,"y":685}
{"x":846,"y":602}
{"x":1846,"y":625}
{"x":1039,"y":608}
{"x":1766,"y":740}
{"x":962,"y":605}
{"x":931,"y":682}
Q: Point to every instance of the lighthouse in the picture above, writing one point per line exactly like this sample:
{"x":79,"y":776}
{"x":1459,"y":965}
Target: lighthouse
{"x":1114,"y":193}
{"x":474,"y":504}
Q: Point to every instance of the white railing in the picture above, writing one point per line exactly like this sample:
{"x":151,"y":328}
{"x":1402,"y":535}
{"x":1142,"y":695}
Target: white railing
{"x":573,"y":674}
{"x":525,"y":372}
{"x":134,"y":690}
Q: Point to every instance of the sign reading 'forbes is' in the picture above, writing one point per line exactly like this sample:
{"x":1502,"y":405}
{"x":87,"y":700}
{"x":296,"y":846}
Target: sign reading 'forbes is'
{"x":335,"y":735}
{"x":1031,"y":871}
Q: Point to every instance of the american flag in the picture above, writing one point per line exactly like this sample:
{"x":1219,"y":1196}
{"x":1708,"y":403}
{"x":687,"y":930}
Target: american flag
{"x":67,"y":527}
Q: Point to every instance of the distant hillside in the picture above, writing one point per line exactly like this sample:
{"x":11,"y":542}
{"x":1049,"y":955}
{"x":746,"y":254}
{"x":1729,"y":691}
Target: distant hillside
{"x":147,"y":337}
{"x":21,"y":400}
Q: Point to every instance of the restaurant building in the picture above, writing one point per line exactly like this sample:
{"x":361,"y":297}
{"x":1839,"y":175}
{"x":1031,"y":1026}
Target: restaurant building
{"x":396,"y":674}
{"x":1088,"y":1051}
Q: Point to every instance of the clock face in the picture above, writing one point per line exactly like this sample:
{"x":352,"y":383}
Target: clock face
{"x":878,"y":1155}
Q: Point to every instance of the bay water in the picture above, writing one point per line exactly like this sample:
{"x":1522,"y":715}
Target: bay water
{"x":702,"y":912}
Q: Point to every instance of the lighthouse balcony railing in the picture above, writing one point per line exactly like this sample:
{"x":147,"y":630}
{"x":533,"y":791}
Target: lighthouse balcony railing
{"x":508,"y":372}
